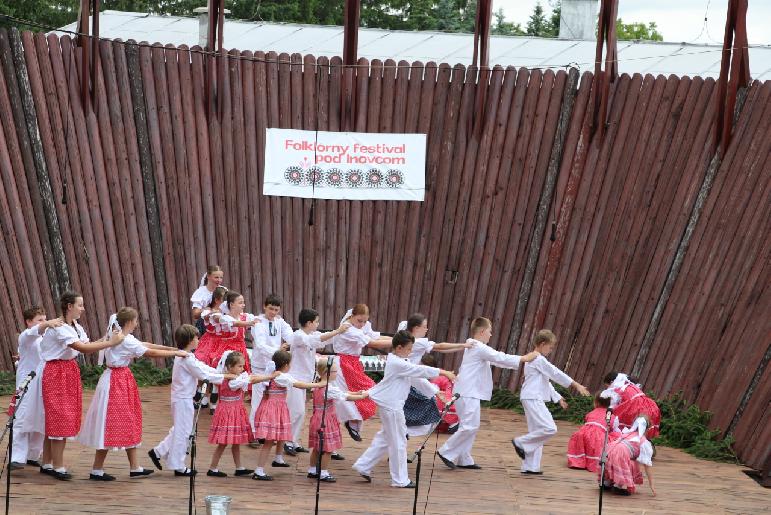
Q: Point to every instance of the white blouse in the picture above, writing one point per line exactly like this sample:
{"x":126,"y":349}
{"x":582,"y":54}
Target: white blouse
{"x":351,"y":342}
{"x":57,"y":340}
{"x":419,"y":348}
{"x":122,"y":354}
{"x":201,"y":299}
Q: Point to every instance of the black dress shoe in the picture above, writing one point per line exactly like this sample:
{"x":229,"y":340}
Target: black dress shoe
{"x":34,"y":463}
{"x":532,"y":472}
{"x":155,"y":459}
{"x":328,"y":479}
{"x":300,"y":448}
{"x":621,"y":491}
{"x":473,"y":466}
{"x":337,"y":456}
{"x":290,"y":450}
{"x":520,"y":450}
{"x":352,"y":432}
{"x":140,"y":473}
{"x":447,"y":462}
{"x":48,"y":472}
{"x":279,"y":464}
{"x":242,"y":472}
{"x":453,"y":429}
{"x":15,"y":465}
{"x":312,"y":475}
{"x":62,"y":476}
{"x":366,"y":477}
{"x":263,"y":477}
{"x":185,"y":473}
{"x":218,"y":473}
{"x":411,"y":484}
{"x":103,"y":477}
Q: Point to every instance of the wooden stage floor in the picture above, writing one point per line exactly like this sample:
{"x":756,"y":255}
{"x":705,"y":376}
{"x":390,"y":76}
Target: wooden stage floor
{"x":684,"y":483}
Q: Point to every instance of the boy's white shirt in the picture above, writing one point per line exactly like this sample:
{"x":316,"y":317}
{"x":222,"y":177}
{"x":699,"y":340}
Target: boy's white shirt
{"x":536,"y":385}
{"x":264,"y":344}
{"x":303,"y":347}
{"x":29,"y":352}
{"x":185,"y":375}
{"x":399,"y":376}
{"x":475,"y":377}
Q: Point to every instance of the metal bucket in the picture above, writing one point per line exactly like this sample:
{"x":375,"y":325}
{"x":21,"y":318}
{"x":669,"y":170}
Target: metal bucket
{"x":217,"y":504}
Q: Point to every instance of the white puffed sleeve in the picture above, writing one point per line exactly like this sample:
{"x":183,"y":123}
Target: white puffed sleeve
{"x":240,"y":383}
{"x":646,"y":454}
{"x":285,"y":380}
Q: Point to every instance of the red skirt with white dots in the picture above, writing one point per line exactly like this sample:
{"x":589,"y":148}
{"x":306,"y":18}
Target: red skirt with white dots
{"x":62,"y":398}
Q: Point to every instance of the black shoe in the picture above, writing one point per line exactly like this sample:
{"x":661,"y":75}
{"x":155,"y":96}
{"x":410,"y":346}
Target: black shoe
{"x":290,"y":450}
{"x":219,"y":473}
{"x":155,"y":459}
{"x":520,"y":450}
{"x":313,"y":475}
{"x":409,"y":460}
{"x":532,"y":472}
{"x":352,"y":432}
{"x":15,"y":465}
{"x":621,"y":491}
{"x":453,"y":429}
{"x":242,"y":472}
{"x":254,"y":444}
{"x":140,"y":473}
{"x":473,"y":466}
{"x":328,"y":479}
{"x":34,"y":463}
{"x":103,"y":477}
{"x":279,"y":464}
{"x":337,"y":456}
{"x":48,"y":472}
{"x":264,"y":477}
{"x":447,"y":462}
{"x":300,"y":448}
{"x":261,"y":441}
{"x":366,"y":477}
{"x":185,"y":473}
{"x":411,"y":484}
{"x":62,"y":476}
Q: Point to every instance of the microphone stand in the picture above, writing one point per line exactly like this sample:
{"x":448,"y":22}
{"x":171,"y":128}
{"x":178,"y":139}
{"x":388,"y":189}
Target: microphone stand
{"x":330,"y":362}
{"x":9,"y":429}
{"x":191,"y":452}
{"x":604,"y":457}
{"x":419,"y":451}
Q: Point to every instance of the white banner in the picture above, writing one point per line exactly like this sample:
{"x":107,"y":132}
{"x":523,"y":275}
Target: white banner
{"x":345,"y":165}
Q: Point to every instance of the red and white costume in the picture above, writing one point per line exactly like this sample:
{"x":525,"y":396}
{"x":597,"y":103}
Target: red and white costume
{"x":230,"y":424}
{"x":624,"y":454}
{"x":208,"y":342}
{"x":333,"y":441}
{"x":56,"y":399}
{"x":451,"y":417}
{"x":114,"y":418}
{"x":267,"y":337}
{"x":272,"y":421}
{"x":26,"y":445}
{"x":629,"y":401}
{"x":184,"y":378}
{"x":585,"y":445}
{"x":230,"y":338}
{"x":201,"y":297}
{"x":303,"y":347}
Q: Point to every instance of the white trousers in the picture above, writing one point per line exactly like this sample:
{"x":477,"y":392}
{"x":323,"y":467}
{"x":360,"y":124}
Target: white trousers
{"x":258,"y":389}
{"x":541,"y":427}
{"x":26,"y":445}
{"x":457,"y":448}
{"x":173,"y":448}
{"x":295,"y":400}
{"x":392,"y":438}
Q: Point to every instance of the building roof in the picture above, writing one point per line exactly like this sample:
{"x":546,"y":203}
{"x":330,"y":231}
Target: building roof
{"x":682,"y":59}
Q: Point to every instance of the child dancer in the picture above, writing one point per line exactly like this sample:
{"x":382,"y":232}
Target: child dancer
{"x":271,"y":421}
{"x":475,"y":384}
{"x":621,"y":470}
{"x":267,"y":338}
{"x":233,"y":325}
{"x":203,"y":295}
{"x":56,"y":399}
{"x":449,"y":423}
{"x":420,"y":411}
{"x":210,"y":318}
{"x":230,"y":424}
{"x":352,"y":377}
{"x":628,"y":400}
{"x":302,"y":345}
{"x":28,"y":446}
{"x":585,"y":446}
{"x":390,"y":394}
{"x":332,"y":438}
{"x":184,"y":378}
{"x":114,"y":418}
{"x":536,"y":389}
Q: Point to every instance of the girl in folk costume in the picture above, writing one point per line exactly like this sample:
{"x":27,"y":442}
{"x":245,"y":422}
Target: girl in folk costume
{"x":28,"y":446}
{"x":233,"y":326}
{"x":622,"y":471}
{"x":389,"y":394}
{"x":272,"y":421}
{"x":57,"y":397}
{"x":202,"y":297}
{"x":420,"y":411}
{"x":114,"y":418}
{"x":352,"y":377}
{"x":585,"y":445}
{"x":449,"y":423}
{"x":210,"y":318}
{"x":185,"y":375}
{"x":332,"y":439}
{"x":628,"y":401}
{"x":230,"y":424}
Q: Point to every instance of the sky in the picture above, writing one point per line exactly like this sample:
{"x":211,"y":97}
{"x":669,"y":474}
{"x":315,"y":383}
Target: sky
{"x":677,"y":20}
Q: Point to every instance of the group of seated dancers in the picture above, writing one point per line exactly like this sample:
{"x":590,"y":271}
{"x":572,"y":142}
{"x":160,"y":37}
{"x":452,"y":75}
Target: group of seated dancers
{"x":284,"y":364}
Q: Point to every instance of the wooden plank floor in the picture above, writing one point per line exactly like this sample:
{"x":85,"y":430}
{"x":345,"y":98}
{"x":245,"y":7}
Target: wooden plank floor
{"x":684,"y":484}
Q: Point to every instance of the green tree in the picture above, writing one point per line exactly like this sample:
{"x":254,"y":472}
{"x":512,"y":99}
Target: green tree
{"x":638,"y":31}
{"x":538,"y":25}
{"x":501,"y":27}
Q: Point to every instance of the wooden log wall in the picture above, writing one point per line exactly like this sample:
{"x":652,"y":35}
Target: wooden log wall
{"x":659,"y":263}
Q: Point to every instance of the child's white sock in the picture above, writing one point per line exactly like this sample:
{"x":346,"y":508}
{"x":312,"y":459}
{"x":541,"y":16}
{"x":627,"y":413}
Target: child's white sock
{"x":259,"y":471}
{"x":240,"y":468}
{"x":279,"y":458}
{"x":324,"y":473}
{"x":48,"y":466}
{"x":96,"y":472}
{"x":311,"y":470}
{"x":61,"y":469}
{"x":138,"y":469}
{"x":214,"y":470}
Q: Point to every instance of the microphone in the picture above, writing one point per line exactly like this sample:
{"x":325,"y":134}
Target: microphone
{"x":203,"y":387}
{"x":23,"y":386}
{"x":608,"y":413}
{"x":452,"y":400}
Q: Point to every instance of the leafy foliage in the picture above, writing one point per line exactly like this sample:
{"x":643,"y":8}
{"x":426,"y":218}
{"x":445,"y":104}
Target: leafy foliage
{"x":638,"y":31}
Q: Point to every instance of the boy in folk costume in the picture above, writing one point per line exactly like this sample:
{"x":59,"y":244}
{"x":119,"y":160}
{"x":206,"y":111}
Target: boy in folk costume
{"x":27,"y":446}
{"x":389,"y":395}
{"x":536,"y":389}
{"x":303,"y":345}
{"x":475,"y":384}
{"x":267,"y":337}
{"x":184,"y":379}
